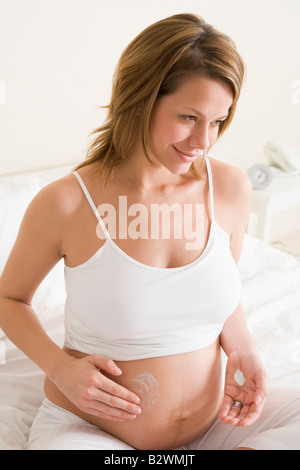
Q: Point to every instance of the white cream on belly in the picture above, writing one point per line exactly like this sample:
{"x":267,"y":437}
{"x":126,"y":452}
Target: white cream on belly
{"x":146,"y":387}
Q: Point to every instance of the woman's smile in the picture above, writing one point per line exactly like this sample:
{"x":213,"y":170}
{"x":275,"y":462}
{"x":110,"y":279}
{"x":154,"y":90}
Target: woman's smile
{"x":186,"y":157}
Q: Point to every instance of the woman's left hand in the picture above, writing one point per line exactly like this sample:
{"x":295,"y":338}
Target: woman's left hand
{"x":251,"y":394}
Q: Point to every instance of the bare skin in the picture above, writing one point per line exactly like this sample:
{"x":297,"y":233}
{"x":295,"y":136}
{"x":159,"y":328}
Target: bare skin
{"x":179,"y":413}
{"x":60,"y":224}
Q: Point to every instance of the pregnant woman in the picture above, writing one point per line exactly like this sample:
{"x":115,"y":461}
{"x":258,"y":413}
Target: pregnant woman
{"x":150,"y":229}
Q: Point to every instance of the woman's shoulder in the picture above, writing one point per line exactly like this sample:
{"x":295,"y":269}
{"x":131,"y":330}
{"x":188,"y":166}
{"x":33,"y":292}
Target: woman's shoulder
{"x":232,"y":197}
{"x":61,"y":196}
{"x":64,"y":195}
{"x":229,"y":181}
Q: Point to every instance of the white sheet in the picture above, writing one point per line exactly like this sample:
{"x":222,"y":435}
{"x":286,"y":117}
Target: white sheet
{"x":271,"y":299}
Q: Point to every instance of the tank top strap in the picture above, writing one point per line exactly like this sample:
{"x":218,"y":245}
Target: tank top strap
{"x":211,"y":189}
{"x":91,"y":202}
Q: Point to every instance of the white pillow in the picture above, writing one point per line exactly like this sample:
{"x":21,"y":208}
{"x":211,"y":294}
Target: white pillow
{"x":15,"y":195}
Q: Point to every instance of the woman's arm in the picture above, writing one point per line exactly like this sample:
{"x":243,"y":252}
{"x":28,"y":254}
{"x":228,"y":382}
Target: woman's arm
{"x":235,"y":339}
{"x":35,"y":252}
{"x":236,"y":197}
{"x":235,"y":335}
{"x":38,"y":248}
{"x":242,"y":356}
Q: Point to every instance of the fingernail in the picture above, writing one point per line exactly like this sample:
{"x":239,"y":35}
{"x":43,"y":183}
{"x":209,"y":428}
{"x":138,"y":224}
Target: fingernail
{"x":132,"y":417}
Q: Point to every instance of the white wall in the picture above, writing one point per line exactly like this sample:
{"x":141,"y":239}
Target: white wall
{"x":57,"y":58}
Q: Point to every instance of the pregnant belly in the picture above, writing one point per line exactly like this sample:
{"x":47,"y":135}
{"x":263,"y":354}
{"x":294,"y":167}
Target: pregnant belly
{"x":180,"y":398}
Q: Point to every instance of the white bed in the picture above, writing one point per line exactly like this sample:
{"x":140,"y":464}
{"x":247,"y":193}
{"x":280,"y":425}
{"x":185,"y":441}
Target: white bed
{"x":271,"y":298}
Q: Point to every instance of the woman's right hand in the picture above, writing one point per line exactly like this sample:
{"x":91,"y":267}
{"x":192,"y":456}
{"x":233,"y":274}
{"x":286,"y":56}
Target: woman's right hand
{"x":83,"y":383}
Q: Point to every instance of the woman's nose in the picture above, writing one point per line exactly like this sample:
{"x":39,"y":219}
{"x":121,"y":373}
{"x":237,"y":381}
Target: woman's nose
{"x":200,"y":138}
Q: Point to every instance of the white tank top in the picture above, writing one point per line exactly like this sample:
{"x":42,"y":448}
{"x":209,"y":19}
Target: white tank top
{"x":126,"y":310}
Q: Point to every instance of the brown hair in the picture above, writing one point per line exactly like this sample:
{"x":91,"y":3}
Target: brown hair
{"x":156,"y":63}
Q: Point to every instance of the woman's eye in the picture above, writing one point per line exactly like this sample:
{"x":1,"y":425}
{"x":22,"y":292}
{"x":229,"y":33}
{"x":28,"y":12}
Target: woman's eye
{"x":189,"y":118}
{"x":217,"y":123}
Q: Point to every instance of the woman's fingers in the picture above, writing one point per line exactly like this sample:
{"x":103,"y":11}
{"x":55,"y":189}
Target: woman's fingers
{"x":236,"y":416}
{"x":226,"y":407}
{"x":104,"y":407}
{"x":117,"y":396}
{"x":104,"y":363}
{"x":115,"y":404}
{"x":109,"y":386}
{"x":106,"y":398}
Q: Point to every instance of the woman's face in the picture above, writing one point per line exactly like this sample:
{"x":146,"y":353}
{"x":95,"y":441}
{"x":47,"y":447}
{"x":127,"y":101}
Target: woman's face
{"x":186,"y":122}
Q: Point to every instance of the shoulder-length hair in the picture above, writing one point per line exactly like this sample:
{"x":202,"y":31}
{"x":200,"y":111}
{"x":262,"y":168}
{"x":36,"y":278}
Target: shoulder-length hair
{"x":156,"y":63}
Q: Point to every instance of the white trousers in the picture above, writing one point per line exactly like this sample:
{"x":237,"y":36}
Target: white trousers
{"x":278,"y":428}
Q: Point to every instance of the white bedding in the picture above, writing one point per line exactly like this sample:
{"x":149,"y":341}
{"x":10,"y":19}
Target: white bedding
{"x":271,"y":299}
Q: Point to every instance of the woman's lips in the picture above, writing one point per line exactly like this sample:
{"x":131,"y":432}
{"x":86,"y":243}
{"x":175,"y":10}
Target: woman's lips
{"x":186,"y":157}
